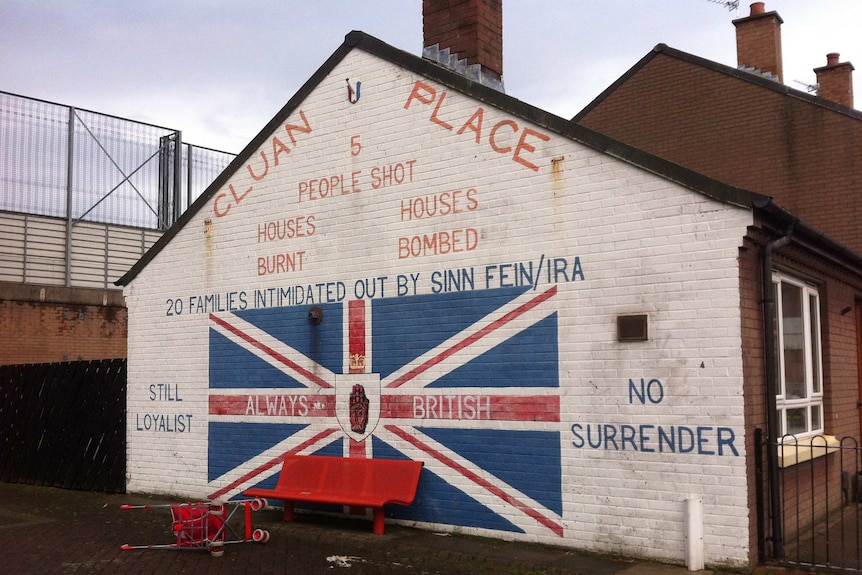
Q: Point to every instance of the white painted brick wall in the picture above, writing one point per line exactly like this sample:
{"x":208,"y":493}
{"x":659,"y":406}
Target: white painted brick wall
{"x":646,"y":246}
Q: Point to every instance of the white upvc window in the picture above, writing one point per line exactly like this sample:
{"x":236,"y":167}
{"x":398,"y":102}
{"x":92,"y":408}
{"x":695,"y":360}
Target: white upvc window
{"x":798,"y":357}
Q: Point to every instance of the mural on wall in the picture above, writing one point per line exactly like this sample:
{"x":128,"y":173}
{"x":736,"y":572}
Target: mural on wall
{"x":434,"y":370}
{"x":410,"y":273}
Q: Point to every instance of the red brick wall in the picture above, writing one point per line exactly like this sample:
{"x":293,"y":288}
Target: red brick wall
{"x":67,"y":325}
{"x":804,"y":155}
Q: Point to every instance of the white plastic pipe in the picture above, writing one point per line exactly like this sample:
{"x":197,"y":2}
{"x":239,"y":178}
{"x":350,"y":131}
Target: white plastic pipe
{"x":694,"y":533}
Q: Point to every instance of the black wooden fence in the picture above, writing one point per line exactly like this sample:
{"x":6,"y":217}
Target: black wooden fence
{"x":64,"y":425}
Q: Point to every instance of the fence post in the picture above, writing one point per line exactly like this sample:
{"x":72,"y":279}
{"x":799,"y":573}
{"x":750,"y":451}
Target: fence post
{"x":178,"y":177}
{"x":69,"y":187}
{"x":189,"y":198}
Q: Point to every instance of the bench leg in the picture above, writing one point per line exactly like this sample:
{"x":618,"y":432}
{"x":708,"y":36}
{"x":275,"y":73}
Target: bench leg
{"x":379,"y":520}
{"x":288,"y":510}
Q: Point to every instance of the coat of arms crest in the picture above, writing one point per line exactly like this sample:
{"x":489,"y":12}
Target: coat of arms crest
{"x":357,"y":407}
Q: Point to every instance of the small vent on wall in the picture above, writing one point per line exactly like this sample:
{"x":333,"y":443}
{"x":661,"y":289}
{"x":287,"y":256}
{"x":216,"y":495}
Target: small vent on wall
{"x":632,"y":328}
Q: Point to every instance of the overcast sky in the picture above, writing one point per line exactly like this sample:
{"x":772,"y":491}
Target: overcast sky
{"x":220,"y":69}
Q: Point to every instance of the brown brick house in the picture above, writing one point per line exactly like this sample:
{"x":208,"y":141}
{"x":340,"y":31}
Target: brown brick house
{"x":743,"y":126}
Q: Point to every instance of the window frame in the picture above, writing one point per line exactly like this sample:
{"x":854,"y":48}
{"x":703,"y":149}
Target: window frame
{"x":812,"y":347}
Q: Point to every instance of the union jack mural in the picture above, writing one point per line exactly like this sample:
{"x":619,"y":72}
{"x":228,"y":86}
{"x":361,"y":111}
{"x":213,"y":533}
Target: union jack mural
{"x":436,"y":378}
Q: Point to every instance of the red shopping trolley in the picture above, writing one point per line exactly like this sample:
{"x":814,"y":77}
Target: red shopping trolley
{"x":207,"y":525}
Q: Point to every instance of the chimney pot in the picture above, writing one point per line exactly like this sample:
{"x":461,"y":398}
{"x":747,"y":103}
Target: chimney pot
{"x":832,"y":58}
{"x":758,"y":8}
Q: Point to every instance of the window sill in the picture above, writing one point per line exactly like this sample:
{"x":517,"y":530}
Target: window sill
{"x":794,"y":451}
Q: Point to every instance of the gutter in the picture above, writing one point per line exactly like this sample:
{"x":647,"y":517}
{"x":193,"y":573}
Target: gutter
{"x":809,"y":238}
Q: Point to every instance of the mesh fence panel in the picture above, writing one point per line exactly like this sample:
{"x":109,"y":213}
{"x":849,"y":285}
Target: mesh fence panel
{"x":33,"y":152}
{"x":121,"y":170}
{"x":207,"y":164}
{"x":115,"y":170}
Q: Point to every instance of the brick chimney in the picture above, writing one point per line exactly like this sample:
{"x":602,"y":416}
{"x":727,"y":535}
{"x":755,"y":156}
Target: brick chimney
{"x":466,"y":36}
{"x":758,"y":42}
{"x":835,"y":80}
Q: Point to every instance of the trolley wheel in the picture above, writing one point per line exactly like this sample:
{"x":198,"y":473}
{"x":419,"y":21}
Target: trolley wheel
{"x":217,"y":508}
{"x":260,"y":536}
{"x":216,"y":548}
{"x":259,"y":503}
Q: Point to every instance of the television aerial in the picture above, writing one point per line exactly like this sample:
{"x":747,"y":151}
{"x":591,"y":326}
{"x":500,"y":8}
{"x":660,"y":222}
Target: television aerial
{"x":729,"y":4}
{"x":808,"y":87}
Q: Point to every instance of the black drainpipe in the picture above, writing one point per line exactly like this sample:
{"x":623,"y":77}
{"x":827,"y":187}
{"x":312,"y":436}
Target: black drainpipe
{"x":771,"y":386}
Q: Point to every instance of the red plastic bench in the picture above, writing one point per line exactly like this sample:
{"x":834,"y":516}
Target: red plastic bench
{"x":346,"y":481}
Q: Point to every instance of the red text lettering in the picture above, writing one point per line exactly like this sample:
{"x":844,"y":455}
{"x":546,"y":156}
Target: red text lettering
{"x":501,"y":137}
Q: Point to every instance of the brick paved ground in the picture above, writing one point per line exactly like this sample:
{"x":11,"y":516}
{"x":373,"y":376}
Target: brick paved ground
{"x":54,"y":531}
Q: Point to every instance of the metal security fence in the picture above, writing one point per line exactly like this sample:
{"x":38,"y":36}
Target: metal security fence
{"x":84,"y":166}
{"x":811,"y":508}
{"x":83,"y":195}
